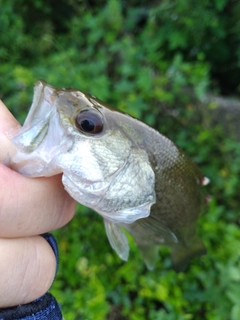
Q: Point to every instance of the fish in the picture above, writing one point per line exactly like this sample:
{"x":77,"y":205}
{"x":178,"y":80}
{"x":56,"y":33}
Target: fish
{"x":137,"y":179}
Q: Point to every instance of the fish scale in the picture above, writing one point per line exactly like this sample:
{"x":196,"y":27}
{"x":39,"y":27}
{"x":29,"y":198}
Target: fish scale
{"x":129,"y":173}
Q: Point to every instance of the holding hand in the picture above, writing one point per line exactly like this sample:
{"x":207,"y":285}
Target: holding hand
{"x":28,"y":207}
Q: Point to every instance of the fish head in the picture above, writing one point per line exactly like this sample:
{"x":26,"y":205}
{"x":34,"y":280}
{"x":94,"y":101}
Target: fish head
{"x":94,"y":146}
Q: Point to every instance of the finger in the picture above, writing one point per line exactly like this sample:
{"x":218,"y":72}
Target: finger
{"x":32,"y":206}
{"x":27,"y":270}
{"x":8,"y":125}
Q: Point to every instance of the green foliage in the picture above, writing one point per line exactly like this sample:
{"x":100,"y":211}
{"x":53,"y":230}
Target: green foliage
{"x":144,"y":58}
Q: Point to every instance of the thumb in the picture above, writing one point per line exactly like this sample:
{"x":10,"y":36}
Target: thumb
{"x":8,"y":126}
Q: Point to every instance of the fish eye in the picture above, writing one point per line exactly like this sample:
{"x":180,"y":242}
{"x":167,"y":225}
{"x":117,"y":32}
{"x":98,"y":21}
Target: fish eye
{"x":89,"y":121}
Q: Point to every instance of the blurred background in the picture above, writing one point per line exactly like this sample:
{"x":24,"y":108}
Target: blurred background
{"x":174,"y":64}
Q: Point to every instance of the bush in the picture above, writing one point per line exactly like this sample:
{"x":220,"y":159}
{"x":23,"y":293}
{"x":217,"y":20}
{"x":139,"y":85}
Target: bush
{"x":143,"y":58}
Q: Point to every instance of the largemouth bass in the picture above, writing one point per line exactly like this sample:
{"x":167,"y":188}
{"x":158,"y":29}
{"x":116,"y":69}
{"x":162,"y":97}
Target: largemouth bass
{"x":133,"y":176}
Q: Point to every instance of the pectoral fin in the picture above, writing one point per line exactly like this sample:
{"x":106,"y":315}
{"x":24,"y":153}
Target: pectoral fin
{"x":117,"y":239}
{"x":148,"y":234}
{"x":181,"y":255}
{"x":159,"y":233}
{"x":150,"y":254}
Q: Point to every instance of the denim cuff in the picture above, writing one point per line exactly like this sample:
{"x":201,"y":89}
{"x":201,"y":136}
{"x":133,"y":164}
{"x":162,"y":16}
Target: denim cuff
{"x":44,"y":308}
{"x":53,"y":243}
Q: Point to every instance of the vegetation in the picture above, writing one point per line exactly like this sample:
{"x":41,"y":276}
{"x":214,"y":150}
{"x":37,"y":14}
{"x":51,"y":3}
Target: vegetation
{"x":143,"y":57}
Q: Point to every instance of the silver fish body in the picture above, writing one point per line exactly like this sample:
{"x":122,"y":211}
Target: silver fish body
{"x":126,"y":171}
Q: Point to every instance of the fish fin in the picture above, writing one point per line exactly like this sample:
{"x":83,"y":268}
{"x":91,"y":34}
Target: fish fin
{"x":150,"y":254}
{"x":181,"y":255}
{"x":117,"y":239}
{"x":162,"y":233}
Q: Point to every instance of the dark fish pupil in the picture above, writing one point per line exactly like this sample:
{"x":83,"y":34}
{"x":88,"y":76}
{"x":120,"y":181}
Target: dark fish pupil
{"x":89,"y":121}
{"x":87,"y":125}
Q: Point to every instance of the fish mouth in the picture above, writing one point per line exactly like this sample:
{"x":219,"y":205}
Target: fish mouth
{"x":36,"y":124}
{"x":43,"y":91}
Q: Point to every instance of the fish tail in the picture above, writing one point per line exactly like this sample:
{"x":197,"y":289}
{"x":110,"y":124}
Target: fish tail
{"x":181,"y":255}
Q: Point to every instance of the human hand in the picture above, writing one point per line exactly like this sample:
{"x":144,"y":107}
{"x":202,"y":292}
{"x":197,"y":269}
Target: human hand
{"x":28,"y":207}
